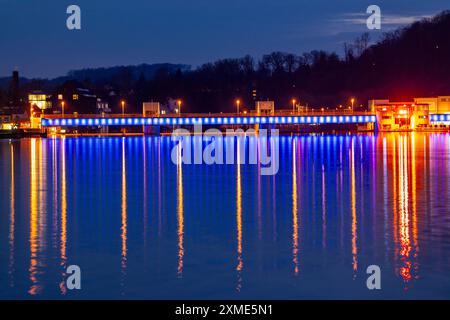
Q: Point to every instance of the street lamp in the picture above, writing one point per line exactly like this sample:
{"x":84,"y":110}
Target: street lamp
{"x":179,"y":107}
{"x":62,"y":108}
{"x":293,"y":105}
{"x":353,"y":104}
{"x":123,"y":107}
{"x":238,"y":103}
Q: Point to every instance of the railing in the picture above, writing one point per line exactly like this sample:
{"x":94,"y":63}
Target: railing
{"x":205,"y":115}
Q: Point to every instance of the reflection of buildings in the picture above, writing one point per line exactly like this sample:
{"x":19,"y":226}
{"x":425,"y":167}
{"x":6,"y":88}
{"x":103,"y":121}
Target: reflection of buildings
{"x":400,"y":159}
{"x":63,"y":249}
{"x":240,"y":260}
{"x":414,"y":115}
{"x":12,"y":222}
{"x":124,"y":217}
{"x":38,"y":215}
{"x":294,"y":210}
{"x":33,"y":219}
{"x":404,"y":213}
{"x":353,"y":204}
{"x":180,"y":213}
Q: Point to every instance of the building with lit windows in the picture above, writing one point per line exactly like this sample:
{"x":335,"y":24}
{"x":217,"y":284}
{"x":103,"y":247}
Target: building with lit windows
{"x":150,"y":109}
{"x":436,"y":105}
{"x":420,"y":114}
{"x":77,"y":99}
{"x":38,"y":99}
{"x":401,"y":116}
{"x":103,"y":106}
{"x":265,"y":107}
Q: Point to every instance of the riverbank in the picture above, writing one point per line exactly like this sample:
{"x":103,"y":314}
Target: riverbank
{"x":20,"y":133}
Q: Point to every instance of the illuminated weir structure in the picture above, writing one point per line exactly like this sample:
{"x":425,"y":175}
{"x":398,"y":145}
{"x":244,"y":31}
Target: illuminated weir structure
{"x":384,"y":118}
{"x":316,"y":118}
{"x":420,"y":115}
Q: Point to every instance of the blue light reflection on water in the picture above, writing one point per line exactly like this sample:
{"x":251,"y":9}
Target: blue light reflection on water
{"x":140,"y":226}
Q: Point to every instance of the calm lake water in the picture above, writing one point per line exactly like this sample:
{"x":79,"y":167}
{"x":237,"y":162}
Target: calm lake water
{"x":142,"y":227}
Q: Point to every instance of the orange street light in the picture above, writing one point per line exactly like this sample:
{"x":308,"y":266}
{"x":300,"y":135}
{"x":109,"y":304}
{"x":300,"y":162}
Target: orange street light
{"x":179,"y":106}
{"x":238,"y":103}
{"x":62,"y":108}
{"x":353,"y":103}
{"x":123,"y":107}
{"x":293,"y":105}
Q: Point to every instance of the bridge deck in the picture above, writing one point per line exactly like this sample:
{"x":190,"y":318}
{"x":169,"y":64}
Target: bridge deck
{"x":208,"y":119}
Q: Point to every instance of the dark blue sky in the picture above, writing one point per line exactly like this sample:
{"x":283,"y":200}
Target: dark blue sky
{"x":34,"y":37}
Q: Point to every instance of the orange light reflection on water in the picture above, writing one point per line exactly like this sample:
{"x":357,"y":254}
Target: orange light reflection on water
{"x":240,"y":264}
{"x":63,"y":214}
{"x":12,"y":222}
{"x":294,"y":210}
{"x":33,"y":218}
{"x":180,"y":213}
{"x":353,"y":205}
{"x":123,"y":227}
{"x":404,"y":219}
{"x":404,"y":167}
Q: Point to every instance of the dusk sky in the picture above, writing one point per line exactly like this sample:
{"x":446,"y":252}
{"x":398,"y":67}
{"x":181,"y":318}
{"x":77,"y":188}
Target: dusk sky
{"x":34,"y":38}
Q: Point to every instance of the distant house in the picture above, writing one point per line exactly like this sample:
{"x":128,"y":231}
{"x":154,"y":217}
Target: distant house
{"x":150,"y":109}
{"x":13,"y":121}
{"x":76,"y":99}
{"x":5,"y":118}
{"x":39,"y":101}
{"x":103,"y":106}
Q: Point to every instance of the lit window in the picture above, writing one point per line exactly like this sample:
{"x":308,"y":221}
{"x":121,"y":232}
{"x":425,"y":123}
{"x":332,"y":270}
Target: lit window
{"x":75,"y":97}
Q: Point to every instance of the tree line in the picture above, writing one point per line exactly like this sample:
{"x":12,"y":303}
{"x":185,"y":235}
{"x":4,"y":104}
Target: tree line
{"x":406,"y":63}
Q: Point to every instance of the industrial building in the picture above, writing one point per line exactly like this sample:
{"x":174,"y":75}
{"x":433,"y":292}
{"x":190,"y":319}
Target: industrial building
{"x":413,"y":115}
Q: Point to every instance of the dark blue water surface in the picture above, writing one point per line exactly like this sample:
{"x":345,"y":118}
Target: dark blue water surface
{"x":140,"y":226}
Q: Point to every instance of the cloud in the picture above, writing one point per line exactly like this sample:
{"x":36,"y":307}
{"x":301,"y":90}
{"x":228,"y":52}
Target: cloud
{"x":354,"y":23}
{"x":391,"y":20}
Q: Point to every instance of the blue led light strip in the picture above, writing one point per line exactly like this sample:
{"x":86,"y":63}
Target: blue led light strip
{"x":283,"y":120}
{"x":439,"y":117}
